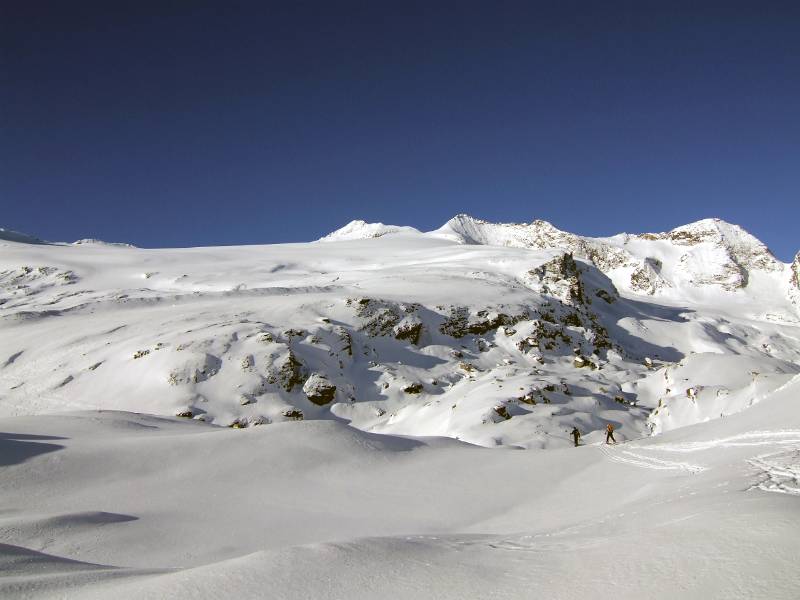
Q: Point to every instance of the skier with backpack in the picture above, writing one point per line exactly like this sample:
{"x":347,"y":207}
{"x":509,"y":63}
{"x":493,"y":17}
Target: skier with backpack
{"x":576,"y":435}
{"x":610,"y":434}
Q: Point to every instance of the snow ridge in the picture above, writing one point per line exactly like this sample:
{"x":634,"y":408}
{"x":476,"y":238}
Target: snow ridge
{"x":10,"y":235}
{"x":359,"y":230}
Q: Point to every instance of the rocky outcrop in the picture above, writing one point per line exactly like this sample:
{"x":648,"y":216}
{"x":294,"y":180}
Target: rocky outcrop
{"x":794,"y":280}
{"x":461,"y":322}
{"x":379,"y":318}
{"x":646,"y":278}
{"x":502,"y":412}
{"x":345,"y":340}
{"x":413,"y":388}
{"x":409,"y":329}
{"x":290,"y":373}
{"x":319,"y":390}
{"x":581,"y":362}
{"x":561,"y":278}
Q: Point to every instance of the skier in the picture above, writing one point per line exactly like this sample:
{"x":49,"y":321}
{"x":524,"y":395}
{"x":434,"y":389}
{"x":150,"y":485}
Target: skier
{"x":576,"y":435}
{"x":610,"y":434}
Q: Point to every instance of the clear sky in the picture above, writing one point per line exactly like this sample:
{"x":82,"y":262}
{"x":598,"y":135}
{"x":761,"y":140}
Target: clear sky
{"x":176,"y":123}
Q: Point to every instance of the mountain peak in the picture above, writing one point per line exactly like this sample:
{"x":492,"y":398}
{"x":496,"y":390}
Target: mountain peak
{"x":360,"y":229}
{"x":536,"y":234}
{"x":742,"y":247}
{"x":711,"y":229}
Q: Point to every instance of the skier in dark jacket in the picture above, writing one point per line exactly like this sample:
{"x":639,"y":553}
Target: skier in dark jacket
{"x":610,"y":434}
{"x":576,"y":435}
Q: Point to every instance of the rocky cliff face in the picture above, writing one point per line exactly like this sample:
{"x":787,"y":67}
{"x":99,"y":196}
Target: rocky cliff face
{"x":716,"y":253}
{"x":794,"y":280}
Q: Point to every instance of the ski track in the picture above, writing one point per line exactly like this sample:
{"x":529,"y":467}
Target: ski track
{"x":648,"y":462}
{"x":780,"y":472}
{"x":787,"y":437}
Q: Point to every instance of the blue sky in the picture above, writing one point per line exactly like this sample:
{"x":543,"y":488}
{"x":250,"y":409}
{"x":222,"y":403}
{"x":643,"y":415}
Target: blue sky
{"x":198,"y":123}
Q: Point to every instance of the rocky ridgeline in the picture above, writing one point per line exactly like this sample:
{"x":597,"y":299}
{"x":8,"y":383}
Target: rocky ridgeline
{"x":741,"y":247}
{"x":542,"y":235}
{"x":735,"y":253}
{"x":794,"y":280}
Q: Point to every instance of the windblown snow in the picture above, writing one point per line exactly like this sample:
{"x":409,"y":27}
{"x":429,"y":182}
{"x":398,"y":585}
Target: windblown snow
{"x":118,"y":365}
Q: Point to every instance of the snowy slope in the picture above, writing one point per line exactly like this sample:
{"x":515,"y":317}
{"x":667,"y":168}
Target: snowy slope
{"x":100,"y":505}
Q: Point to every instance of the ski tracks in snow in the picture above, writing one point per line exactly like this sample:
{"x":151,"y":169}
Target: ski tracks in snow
{"x":648,"y":462}
{"x":784,"y":437}
{"x":777,"y":471}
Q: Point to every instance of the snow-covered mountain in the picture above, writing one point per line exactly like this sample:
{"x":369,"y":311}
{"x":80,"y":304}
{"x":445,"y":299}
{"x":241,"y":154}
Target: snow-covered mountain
{"x":118,"y":364}
{"x":497,"y":334}
{"x":709,"y":252}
